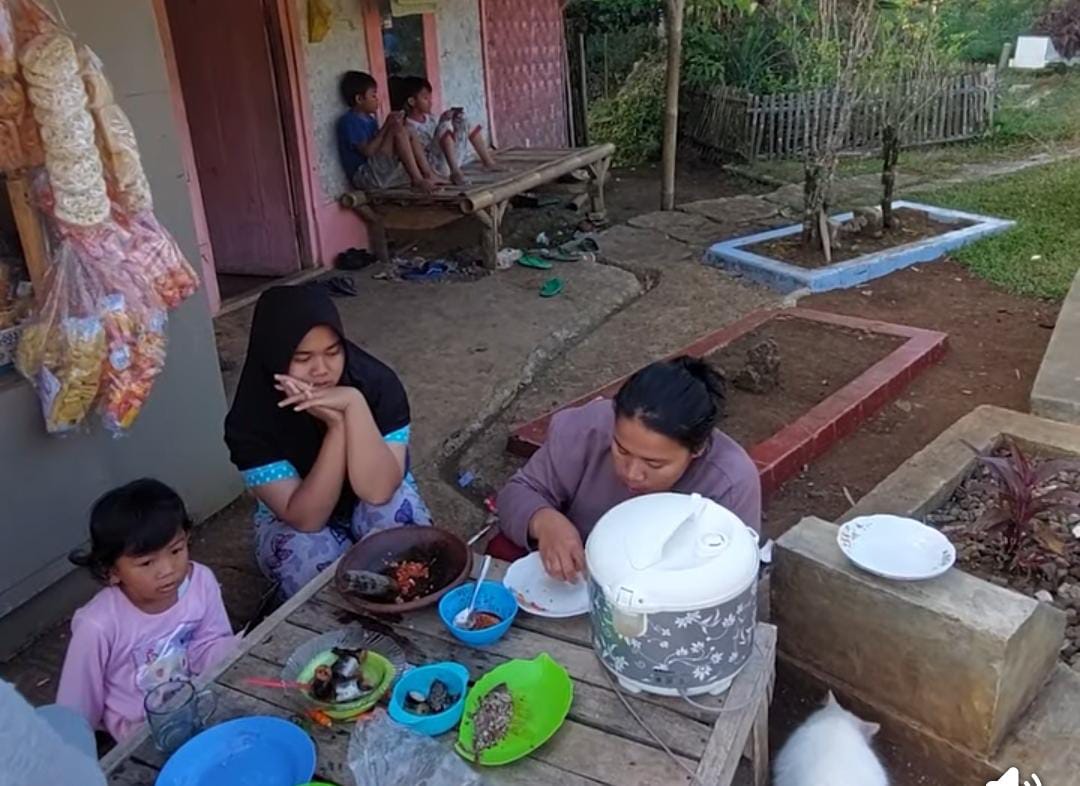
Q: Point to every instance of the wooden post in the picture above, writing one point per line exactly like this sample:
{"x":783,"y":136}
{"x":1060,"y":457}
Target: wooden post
{"x":31,"y":233}
{"x":1006,"y":53}
{"x":490,"y":219}
{"x":674,"y":21}
{"x":584,"y":90}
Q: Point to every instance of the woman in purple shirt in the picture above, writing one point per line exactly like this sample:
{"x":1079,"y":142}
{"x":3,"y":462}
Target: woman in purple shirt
{"x":659,"y":434}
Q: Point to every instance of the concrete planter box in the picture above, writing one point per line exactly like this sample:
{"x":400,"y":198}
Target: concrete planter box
{"x":959,"y":665}
{"x":1056,"y":392}
{"x":786,"y":277}
{"x":799,"y":442}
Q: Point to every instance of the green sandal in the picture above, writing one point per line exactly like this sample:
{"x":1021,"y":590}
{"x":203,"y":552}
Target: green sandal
{"x":552,"y":287}
{"x":528,"y":260}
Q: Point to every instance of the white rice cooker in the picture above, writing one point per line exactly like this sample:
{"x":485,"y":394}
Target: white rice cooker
{"x":673,"y":594}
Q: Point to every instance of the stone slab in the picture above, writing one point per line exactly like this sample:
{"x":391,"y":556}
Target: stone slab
{"x":690,"y":228}
{"x":1056,"y":392}
{"x":958,"y":656}
{"x":733,"y":211}
{"x":928,"y":478}
{"x":641,"y":250}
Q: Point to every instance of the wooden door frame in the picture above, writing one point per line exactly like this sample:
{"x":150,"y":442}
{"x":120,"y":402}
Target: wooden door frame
{"x":285,"y":49}
{"x":372,"y":20}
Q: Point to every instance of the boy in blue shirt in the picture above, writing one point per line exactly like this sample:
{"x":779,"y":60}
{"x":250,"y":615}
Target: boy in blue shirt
{"x":375,"y":158}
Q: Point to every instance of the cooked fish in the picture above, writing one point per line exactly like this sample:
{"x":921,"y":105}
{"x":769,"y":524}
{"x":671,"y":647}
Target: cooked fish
{"x":367,"y":583}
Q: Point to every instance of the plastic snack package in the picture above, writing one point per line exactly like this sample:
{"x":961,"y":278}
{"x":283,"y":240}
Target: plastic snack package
{"x":382,"y":752}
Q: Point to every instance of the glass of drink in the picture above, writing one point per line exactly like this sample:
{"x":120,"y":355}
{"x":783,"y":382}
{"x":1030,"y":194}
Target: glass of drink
{"x":176,"y":712}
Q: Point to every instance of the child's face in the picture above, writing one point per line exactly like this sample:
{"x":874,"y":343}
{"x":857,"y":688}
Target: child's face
{"x":151,"y":580}
{"x":421,"y":102}
{"x":368,"y":101}
{"x":319,"y":359}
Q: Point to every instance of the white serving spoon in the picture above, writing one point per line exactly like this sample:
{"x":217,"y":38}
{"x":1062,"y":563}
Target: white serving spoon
{"x":464,"y":617}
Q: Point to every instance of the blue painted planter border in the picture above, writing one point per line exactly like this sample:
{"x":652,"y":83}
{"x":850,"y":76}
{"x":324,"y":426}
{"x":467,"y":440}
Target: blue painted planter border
{"x":786,"y":277}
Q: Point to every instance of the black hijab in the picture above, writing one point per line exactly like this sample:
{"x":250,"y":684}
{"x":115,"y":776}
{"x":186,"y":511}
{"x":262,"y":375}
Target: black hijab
{"x":258,"y":431}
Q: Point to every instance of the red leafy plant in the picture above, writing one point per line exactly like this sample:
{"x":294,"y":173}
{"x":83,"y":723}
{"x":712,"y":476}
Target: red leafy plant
{"x":1061,"y":21}
{"x":1020,"y":497}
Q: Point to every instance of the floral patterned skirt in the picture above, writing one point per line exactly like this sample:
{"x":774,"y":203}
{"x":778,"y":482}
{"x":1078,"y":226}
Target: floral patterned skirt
{"x":291,"y":558}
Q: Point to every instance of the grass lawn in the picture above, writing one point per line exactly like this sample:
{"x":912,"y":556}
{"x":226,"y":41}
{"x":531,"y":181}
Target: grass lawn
{"x":1041,"y":254}
{"x":1037,"y":113}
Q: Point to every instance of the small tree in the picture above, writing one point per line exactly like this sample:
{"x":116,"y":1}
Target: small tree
{"x":831,"y":42}
{"x":909,"y":63}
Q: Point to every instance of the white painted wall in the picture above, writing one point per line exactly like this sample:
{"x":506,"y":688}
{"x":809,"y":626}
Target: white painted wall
{"x":342,"y":49}
{"x":461,"y":60}
{"x":461,"y":69}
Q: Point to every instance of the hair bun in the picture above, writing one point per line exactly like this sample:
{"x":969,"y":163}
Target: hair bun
{"x":703,"y":371}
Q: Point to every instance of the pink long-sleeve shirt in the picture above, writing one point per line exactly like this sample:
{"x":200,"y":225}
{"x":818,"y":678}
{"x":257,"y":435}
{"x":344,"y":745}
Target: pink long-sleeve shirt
{"x":573,"y":473}
{"x":118,"y":653}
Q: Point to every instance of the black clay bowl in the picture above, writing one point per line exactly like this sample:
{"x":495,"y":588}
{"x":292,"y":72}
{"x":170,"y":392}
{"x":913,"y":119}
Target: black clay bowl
{"x":448,"y":558}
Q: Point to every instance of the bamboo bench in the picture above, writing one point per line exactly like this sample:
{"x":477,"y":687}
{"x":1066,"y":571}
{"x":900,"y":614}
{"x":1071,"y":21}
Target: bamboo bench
{"x":484,"y":199}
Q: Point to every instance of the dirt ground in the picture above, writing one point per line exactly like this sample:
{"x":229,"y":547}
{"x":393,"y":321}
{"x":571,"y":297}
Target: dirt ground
{"x":815,"y":360}
{"x":996,"y":342}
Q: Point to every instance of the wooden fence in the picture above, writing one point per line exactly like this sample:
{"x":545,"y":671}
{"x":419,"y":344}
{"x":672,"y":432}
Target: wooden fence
{"x":731,"y":121}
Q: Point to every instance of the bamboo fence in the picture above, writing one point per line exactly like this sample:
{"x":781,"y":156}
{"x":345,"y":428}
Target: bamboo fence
{"x":731,"y":121}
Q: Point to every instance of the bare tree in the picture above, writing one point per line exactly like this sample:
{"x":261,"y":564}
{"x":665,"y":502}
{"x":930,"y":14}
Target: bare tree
{"x":831,"y":42}
{"x":911,"y":63}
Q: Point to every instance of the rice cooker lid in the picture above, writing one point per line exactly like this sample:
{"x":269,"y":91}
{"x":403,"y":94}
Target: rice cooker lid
{"x":671,"y":552}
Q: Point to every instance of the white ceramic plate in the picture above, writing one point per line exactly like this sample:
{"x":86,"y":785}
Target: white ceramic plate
{"x":539,"y":594}
{"x":894,"y":547}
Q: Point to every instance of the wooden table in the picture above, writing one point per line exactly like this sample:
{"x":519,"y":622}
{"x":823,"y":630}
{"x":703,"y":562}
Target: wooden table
{"x":600,"y":743}
{"x":485,"y":198}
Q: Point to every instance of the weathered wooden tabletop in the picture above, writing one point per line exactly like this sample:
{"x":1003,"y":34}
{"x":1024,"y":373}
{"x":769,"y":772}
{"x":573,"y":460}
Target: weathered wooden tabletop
{"x":599,"y":743}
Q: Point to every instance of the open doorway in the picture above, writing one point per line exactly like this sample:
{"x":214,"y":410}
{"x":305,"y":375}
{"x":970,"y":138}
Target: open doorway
{"x":401,"y":44}
{"x":232,"y":82}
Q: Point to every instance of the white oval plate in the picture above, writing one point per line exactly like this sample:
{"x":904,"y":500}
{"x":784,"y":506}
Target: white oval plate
{"x":895,"y":547}
{"x":538,"y":593}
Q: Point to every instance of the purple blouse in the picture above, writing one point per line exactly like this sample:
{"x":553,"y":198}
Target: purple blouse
{"x":573,"y":473}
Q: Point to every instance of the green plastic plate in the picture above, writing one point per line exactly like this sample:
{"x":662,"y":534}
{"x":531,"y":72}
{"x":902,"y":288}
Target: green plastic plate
{"x":376,"y":669}
{"x":542,"y":694}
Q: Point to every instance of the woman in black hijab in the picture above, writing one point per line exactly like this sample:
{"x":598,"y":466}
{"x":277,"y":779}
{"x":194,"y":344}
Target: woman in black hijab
{"x":320,"y":430}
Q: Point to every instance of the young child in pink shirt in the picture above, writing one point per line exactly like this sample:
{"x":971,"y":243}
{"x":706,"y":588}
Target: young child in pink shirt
{"x":161,"y":618}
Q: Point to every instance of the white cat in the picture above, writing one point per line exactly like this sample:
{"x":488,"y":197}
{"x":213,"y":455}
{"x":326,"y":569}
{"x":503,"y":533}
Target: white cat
{"x":832,"y":748}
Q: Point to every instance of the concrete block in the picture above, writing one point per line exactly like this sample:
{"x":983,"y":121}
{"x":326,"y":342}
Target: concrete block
{"x":928,"y":478}
{"x":958,"y":656}
{"x":1056,"y":392}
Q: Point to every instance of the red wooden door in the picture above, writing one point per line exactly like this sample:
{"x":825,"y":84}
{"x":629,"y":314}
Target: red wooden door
{"x":524,"y":49}
{"x":226,"y":70}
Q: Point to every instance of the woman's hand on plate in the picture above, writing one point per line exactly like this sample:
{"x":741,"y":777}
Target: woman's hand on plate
{"x":561,"y":549}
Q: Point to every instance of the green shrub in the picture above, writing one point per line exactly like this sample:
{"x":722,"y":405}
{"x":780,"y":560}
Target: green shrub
{"x":746,"y":51}
{"x":984,"y":26}
{"x":633,"y":119}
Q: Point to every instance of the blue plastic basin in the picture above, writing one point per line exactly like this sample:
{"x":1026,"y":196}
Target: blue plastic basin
{"x":255,"y":751}
{"x":456,"y":678}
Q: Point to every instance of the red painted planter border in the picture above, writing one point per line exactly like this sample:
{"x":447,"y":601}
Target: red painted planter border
{"x":809,"y":436}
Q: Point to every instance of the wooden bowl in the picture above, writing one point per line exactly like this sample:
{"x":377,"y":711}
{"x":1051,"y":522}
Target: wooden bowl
{"x":451,"y":564}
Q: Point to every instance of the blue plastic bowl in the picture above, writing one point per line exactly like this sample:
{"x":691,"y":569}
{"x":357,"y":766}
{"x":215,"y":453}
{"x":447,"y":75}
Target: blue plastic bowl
{"x":255,"y":751}
{"x":494,"y":597}
{"x":419,"y":679}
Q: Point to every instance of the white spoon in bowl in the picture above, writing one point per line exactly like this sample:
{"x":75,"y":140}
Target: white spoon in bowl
{"x":464,"y":617}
